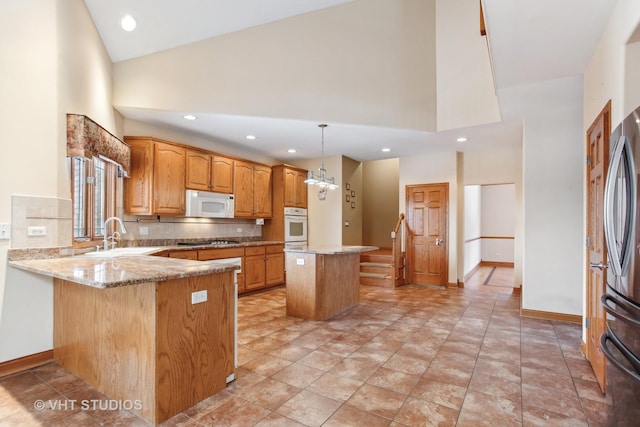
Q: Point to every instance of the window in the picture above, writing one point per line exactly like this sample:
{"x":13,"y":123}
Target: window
{"x":94,"y":197}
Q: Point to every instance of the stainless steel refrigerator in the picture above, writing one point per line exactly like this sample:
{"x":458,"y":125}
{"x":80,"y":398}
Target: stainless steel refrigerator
{"x":621,"y":340}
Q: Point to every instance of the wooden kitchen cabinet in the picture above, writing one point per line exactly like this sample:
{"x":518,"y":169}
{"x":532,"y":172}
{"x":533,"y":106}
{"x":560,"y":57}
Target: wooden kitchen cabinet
{"x":274,"y":265}
{"x":209,"y":172}
{"x":289,"y":190}
{"x":263,"y":266}
{"x":252,"y":190}
{"x":293,"y":186}
{"x":156,"y":183}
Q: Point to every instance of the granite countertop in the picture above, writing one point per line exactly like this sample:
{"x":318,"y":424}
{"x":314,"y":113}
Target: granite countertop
{"x":105,"y":272}
{"x":122,"y":266}
{"x":330,"y":250}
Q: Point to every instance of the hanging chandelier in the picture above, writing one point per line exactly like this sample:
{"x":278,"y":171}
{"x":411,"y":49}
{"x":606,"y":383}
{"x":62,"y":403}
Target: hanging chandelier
{"x":321,"y":179}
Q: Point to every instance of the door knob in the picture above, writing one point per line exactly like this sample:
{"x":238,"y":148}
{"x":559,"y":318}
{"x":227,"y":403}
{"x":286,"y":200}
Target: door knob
{"x":599,"y":265}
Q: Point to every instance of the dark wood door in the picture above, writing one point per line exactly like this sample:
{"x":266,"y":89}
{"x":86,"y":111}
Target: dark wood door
{"x":597,"y":164}
{"x":427,"y":223}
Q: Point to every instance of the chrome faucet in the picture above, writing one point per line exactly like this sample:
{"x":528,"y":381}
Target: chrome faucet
{"x":105,"y":243}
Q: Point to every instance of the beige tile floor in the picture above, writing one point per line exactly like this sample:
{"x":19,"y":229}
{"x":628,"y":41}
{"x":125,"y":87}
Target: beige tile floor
{"x":413,"y":356}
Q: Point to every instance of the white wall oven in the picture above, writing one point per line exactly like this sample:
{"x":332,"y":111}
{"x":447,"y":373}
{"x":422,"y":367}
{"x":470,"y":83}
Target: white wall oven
{"x":295,"y":225}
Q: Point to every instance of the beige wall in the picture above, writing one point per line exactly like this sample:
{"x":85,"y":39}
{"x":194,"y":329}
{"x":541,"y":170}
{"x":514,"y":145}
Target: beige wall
{"x":352,"y":174}
{"x":380,"y":198}
{"x":348,"y":53}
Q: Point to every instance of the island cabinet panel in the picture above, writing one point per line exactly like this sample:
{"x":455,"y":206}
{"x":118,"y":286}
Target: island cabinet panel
{"x":107,"y":337}
{"x":322,"y":286}
{"x":194,"y":342}
{"x":148,"y":342}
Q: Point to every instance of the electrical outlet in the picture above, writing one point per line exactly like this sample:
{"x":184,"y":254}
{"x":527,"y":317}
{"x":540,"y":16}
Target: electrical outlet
{"x":144,"y":231}
{"x":299,"y":261}
{"x":37,"y":231}
{"x":198,"y":297}
{"x":5,"y":231}
{"x":239,"y":230}
{"x":259,"y":221}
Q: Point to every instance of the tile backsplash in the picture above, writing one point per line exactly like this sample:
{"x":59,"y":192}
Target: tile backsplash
{"x":50,"y":214}
{"x":152,"y":228}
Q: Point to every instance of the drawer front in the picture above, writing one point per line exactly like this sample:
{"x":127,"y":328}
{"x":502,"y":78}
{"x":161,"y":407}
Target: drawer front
{"x":254,"y":250}
{"x":208,"y":254}
{"x":274,"y":249}
{"x":184,"y":254}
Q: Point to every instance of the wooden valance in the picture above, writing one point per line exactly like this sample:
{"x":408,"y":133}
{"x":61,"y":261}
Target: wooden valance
{"x":86,"y":138}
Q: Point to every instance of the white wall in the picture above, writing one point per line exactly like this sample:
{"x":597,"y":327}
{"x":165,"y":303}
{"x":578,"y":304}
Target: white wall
{"x":472,"y":227}
{"x":428,"y":169}
{"x":500,"y":167}
{"x":466,"y":94}
{"x":498,"y":220}
{"x":53,"y":63}
{"x":553,"y":187}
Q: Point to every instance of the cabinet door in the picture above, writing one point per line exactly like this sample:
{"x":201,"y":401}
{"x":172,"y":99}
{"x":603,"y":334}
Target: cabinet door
{"x":300,"y":190}
{"x":222,"y":174}
{"x":290,"y":179}
{"x":198,"y":170}
{"x":137,"y":188}
{"x":274,"y":267}
{"x":169,"y":179}
{"x":262,"y":191}
{"x":243,"y":189}
{"x":254,"y":272}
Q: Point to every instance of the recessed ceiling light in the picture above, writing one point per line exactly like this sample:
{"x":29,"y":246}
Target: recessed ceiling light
{"x":291,"y":150}
{"x":190,"y":117}
{"x":386,"y":150}
{"x":250,"y":137}
{"x":462,"y":139}
{"x":128,"y":23}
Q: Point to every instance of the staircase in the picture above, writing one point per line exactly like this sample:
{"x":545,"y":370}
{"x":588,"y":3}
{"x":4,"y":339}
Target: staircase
{"x":385,"y":267}
{"x":376,"y":268}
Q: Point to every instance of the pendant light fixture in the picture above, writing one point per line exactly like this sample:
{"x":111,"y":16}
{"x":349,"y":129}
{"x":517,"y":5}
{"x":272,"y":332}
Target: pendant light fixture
{"x":321,"y":179}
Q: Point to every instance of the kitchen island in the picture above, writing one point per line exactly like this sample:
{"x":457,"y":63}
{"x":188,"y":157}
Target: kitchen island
{"x":154,"y":333}
{"x":323,"y":281}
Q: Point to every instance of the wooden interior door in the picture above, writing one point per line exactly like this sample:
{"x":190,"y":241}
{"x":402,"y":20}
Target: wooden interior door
{"x":597,"y":164}
{"x":427,"y":206}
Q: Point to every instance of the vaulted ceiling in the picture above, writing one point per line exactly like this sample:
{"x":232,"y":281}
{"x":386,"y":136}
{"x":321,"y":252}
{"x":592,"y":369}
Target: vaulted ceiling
{"x":527,"y":42}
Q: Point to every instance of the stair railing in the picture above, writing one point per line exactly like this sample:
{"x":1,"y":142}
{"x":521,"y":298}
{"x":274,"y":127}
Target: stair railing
{"x":397,"y":237}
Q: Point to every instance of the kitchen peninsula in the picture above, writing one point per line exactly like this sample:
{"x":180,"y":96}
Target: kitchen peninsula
{"x":132,"y":327}
{"x":323,"y":281}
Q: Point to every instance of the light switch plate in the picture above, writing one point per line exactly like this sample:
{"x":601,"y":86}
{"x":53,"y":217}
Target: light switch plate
{"x":37,"y":231}
{"x":5,"y":231}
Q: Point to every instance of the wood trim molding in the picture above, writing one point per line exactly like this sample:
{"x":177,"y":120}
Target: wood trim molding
{"x":496,"y":264}
{"x":537,"y":314}
{"x":26,"y":362}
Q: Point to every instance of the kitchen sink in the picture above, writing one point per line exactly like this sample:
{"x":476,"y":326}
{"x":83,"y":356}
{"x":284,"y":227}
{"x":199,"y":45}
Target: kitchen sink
{"x":141,"y":250}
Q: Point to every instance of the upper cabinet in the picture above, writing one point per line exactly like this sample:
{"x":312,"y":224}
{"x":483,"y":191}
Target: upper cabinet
{"x":252,"y":190}
{"x":157,"y":179}
{"x":209,"y":172}
{"x":289,"y":186}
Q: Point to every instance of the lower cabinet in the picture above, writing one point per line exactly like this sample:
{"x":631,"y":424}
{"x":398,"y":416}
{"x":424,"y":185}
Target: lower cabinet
{"x":262,"y":265}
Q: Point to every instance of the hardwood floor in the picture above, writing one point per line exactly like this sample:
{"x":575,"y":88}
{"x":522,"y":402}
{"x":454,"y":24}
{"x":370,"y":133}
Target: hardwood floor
{"x":490,"y":278}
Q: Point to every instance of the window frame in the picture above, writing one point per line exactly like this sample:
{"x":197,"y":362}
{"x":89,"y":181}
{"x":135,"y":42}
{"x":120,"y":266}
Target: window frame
{"x":109,"y":190}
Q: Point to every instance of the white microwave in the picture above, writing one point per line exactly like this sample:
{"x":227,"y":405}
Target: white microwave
{"x":204,"y":204}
